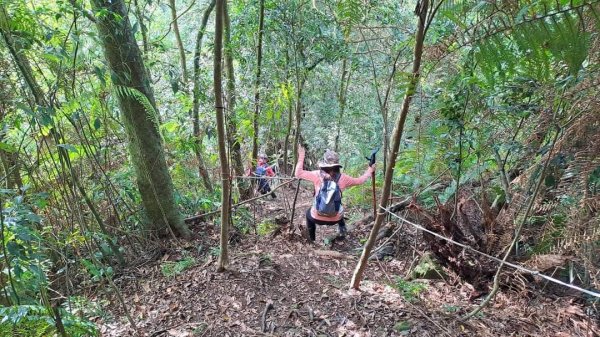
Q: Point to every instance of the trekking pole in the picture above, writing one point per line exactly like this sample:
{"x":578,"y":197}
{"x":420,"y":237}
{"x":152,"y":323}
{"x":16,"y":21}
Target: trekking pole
{"x":371,"y":160}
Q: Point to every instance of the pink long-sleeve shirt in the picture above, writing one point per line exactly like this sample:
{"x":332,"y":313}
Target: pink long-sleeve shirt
{"x":314,"y":176}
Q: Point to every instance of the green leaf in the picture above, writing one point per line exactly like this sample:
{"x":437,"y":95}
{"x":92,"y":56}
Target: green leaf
{"x":68,"y":147}
{"x":7,"y":147}
{"x":14,"y":249}
{"x":100,"y":73}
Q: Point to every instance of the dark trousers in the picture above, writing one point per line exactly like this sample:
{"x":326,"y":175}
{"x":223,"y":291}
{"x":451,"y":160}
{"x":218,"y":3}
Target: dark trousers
{"x":263,"y":186}
{"x":311,"y":224}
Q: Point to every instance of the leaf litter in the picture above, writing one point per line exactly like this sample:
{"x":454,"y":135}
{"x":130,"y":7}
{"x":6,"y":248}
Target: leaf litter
{"x":284,"y":286}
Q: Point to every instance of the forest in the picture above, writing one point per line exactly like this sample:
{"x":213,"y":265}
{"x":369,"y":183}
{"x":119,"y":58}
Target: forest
{"x":166,"y":168}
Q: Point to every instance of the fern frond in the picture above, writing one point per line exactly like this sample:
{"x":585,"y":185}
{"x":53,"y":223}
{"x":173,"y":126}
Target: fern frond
{"x":142,"y":99}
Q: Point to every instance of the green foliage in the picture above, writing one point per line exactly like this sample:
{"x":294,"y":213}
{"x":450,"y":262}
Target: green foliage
{"x":265,"y":228}
{"x":539,"y":43}
{"x":243,"y":219}
{"x":450,"y":308}
{"x":410,"y":290}
{"x":402,"y":327}
{"x":171,"y":268}
{"x":23,"y":247}
{"x":215,"y":251}
{"x":35,"y":320}
{"x":97,"y":273}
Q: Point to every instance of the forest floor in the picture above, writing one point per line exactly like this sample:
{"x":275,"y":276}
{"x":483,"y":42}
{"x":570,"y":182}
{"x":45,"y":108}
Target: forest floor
{"x":280,"y":285}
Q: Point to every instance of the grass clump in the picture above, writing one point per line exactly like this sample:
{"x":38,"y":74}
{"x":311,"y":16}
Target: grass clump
{"x":173,"y":268}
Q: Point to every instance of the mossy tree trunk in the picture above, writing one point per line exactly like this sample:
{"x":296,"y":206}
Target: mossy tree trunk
{"x":138,"y":110}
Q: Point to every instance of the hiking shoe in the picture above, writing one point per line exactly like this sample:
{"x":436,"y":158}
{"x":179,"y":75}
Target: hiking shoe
{"x":273,"y":195}
{"x":342,"y":231}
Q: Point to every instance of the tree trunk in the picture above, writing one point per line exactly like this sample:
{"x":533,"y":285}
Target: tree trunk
{"x":290,"y":113}
{"x":196,"y":100}
{"x":20,"y":60}
{"x":10,"y":162}
{"x":140,"y":117}
{"x":140,"y":18}
{"x":422,"y":9}
{"x":232,"y":134}
{"x":225,"y":191}
{"x":344,"y":82}
{"x":261,"y":25}
{"x":298,"y":114}
{"x":385,"y":111}
{"x":178,"y":39}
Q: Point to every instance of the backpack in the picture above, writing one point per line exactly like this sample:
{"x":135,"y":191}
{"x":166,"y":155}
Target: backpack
{"x":260,"y":171}
{"x":328,"y":201}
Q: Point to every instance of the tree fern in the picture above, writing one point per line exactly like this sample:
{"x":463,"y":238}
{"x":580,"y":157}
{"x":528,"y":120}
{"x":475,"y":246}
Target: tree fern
{"x":537,"y":41}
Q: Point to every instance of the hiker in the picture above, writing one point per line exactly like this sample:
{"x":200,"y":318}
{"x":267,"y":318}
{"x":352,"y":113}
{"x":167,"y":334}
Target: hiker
{"x":329,"y":184}
{"x":263,"y":169}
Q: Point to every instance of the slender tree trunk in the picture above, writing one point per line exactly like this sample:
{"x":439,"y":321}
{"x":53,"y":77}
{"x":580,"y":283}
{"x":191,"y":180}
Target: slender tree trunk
{"x":10,"y":163}
{"x":178,"y":39}
{"x":20,"y":60}
{"x":298,"y":114}
{"x":196,"y":99}
{"x":261,"y":25}
{"x":342,"y":96}
{"x":225,"y":191}
{"x":288,"y":131}
{"x":135,"y":99}
{"x":503,"y":176}
{"x":140,"y":18}
{"x":290,"y":113}
{"x":232,"y":133}
{"x":385,"y":110}
{"x":422,"y":7}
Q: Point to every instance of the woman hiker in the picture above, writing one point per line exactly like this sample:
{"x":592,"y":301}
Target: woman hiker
{"x":264,"y":170}
{"x":329,"y":182}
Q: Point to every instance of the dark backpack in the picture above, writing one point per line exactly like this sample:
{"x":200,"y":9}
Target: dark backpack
{"x":328,"y":201}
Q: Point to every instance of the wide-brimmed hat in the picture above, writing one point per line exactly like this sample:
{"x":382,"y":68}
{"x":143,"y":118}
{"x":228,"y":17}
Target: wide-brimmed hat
{"x":330,"y":159}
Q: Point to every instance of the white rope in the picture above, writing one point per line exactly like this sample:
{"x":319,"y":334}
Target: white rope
{"x":518,"y":267}
{"x":263,"y":177}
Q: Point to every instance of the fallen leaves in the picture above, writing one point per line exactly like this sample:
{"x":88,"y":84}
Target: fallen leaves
{"x":309,"y":290}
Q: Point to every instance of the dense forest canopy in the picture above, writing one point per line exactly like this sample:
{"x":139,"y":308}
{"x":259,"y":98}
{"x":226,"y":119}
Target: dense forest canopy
{"x":121,"y":121}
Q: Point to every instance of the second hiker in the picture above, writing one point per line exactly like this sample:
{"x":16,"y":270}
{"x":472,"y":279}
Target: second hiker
{"x":329,"y":184}
{"x":264,"y":170}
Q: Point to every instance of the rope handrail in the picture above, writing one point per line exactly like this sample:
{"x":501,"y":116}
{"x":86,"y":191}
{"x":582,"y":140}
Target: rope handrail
{"x":515,"y":266}
{"x":196,"y":217}
{"x":263,"y":177}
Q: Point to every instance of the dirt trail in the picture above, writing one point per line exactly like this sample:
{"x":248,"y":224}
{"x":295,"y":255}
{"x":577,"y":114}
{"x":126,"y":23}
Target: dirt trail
{"x":283,"y":286}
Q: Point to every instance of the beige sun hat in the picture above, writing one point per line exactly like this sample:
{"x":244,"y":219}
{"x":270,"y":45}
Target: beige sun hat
{"x":330,"y":159}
